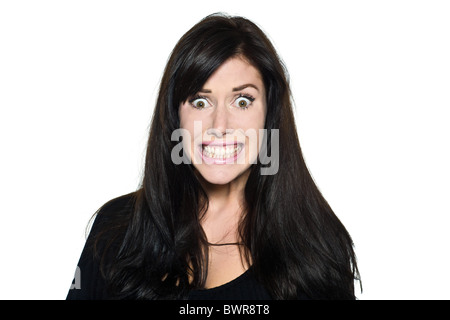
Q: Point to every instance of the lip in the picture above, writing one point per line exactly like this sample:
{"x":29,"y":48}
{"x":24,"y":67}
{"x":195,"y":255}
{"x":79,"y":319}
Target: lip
{"x":220,"y":143}
{"x":230,"y":160}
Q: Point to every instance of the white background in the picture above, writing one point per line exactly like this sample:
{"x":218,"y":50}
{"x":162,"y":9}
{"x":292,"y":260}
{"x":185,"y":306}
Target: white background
{"x":371,"y":83}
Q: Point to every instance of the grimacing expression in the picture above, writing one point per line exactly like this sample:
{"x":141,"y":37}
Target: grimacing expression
{"x":222,"y":119}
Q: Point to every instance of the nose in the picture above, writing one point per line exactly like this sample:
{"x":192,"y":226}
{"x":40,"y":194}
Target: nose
{"x":220,"y":121}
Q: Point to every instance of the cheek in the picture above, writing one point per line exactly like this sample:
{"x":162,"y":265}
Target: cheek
{"x":192,"y":134}
{"x":253,"y":121}
{"x":187,"y":122}
{"x":190,"y":117}
{"x":183,"y":115}
{"x":255,"y":133}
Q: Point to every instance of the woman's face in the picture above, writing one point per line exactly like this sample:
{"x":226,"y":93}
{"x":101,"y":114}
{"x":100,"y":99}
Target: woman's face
{"x":223,"y":121}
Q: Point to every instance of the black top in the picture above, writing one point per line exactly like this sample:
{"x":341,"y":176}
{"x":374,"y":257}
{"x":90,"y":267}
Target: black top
{"x":90,"y":285}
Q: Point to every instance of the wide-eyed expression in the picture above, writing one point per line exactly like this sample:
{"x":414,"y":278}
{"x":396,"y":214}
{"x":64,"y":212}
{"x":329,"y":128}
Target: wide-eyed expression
{"x":224,"y":120}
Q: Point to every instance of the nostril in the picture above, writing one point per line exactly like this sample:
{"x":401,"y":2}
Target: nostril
{"x":216,"y":132}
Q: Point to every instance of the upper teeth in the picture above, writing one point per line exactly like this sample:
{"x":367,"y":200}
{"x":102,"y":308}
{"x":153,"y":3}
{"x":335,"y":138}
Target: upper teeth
{"x":221,"y":152}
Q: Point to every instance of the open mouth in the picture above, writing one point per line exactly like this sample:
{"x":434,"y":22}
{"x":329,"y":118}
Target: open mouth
{"x":221,"y":153}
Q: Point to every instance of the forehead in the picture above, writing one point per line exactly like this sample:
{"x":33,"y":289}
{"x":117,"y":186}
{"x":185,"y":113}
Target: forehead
{"x":234,"y":72}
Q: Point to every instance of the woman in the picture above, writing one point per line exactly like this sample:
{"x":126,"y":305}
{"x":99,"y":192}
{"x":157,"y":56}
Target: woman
{"x":228,"y":221}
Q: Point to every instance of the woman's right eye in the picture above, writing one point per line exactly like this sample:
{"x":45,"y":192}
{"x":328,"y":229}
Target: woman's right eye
{"x":199,"y":103}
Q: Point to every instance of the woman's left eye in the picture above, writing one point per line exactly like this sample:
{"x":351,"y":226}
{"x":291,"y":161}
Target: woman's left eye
{"x":243,"y":102}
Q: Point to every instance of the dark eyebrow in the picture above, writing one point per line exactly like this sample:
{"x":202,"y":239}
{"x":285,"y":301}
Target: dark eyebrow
{"x":245,"y":86}
{"x":234,"y":89}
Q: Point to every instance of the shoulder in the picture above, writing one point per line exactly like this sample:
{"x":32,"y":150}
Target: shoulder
{"x":109,"y":224}
{"x":113,"y":215}
{"x":120,"y":203}
{"x":108,"y":227}
{"x":119,"y":206}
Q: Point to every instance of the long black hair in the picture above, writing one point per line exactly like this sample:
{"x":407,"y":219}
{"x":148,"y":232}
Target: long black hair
{"x":292,"y":239}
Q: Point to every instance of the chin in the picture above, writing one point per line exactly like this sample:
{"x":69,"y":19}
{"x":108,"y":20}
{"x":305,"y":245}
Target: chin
{"x":222,"y":175}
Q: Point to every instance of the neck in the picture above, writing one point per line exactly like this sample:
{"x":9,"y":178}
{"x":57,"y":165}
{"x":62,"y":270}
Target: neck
{"x":222,"y":195}
{"x":225,"y":209}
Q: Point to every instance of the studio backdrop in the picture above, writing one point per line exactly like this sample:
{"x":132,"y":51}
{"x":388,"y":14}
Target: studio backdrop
{"x":370,"y":82}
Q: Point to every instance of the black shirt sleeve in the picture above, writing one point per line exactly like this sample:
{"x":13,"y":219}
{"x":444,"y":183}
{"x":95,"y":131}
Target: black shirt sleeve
{"x":89,"y":282}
